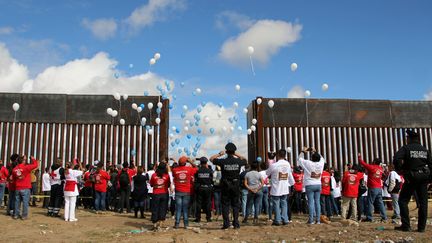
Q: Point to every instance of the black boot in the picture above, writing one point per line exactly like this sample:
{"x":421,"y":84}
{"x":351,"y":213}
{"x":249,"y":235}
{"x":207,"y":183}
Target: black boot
{"x":136,"y":212}
{"x":142,"y":212}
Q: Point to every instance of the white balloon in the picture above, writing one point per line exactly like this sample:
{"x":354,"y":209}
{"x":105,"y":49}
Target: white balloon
{"x":270,"y":103}
{"x":114,"y":113}
{"x":253,"y":128}
{"x":259,"y":101}
{"x":143,"y":121}
{"x":152,"y":61}
{"x":157,"y":56}
{"x":237,"y":87}
{"x":224,"y":128}
{"x":186,"y":129}
{"x":325,"y":87}
{"x":139,"y":109}
{"x":206,"y":119}
{"x":109,"y":111}
{"x":240,"y":128}
{"x":232,"y":129}
{"x":245,"y":110}
{"x":125,"y":96}
{"x":122,"y":121}
{"x":198,"y":91}
{"x":171,"y":135}
{"x":307,"y":93}
{"x":249,"y":131}
{"x":235,"y":104}
{"x":159,"y":105}
{"x":293,"y":66}
{"x":150,"y":105}
{"x":251,"y":50}
{"x":219,"y":114}
{"x":117,"y":96}
{"x":134,"y":106}
{"x":15,"y":107}
{"x":158,"y":120}
{"x":131,"y":65}
{"x":187,"y":122}
{"x":289,"y":150}
{"x":254,"y":121}
{"x":173,"y":128}
{"x":150,"y":131}
{"x":185,"y":108}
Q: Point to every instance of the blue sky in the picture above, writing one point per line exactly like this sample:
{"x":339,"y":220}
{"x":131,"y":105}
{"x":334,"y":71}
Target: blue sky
{"x":362,"y":49}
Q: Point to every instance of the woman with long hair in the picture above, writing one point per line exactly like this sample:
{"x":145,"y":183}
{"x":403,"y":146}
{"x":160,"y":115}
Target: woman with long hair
{"x":160,"y":181}
{"x":139,"y":192}
{"x":71,"y":190}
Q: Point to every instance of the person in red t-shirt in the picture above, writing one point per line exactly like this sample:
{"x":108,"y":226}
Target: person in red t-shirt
{"x":101,"y":180}
{"x":4,"y":173}
{"x":21,"y":176}
{"x":160,"y":181}
{"x":326,"y":192}
{"x":87,"y":191}
{"x":11,"y":184}
{"x":183,"y":182}
{"x":350,"y":189}
{"x":298,"y":189}
{"x":374,"y":184}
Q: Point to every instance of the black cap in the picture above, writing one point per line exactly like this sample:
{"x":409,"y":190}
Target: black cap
{"x":411,"y":133}
{"x":230,"y":147}
{"x":203,"y":160}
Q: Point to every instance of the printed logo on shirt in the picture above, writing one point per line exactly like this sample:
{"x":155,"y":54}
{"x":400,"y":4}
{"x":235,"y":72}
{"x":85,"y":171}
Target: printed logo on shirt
{"x":18,"y":174}
{"x":326,"y":181}
{"x":182,"y":178}
{"x":159,"y":183}
{"x":283,"y":176}
{"x":203,"y":175}
{"x":418,"y":154}
{"x":98,"y":179}
{"x":352,"y":179}
{"x":232,"y":167}
{"x":378,"y":174}
{"x":315,"y":175}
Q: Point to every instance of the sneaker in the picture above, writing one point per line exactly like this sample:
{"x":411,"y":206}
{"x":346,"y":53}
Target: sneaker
{"x":310,"y":223}
{"x":176,"y":226}
{"x":237,"y":227}
{"x":402,"y":228}
{"x":15,"y":217}
{"x":73,"y":220}
{"x":275,"y":224}
{"x":285,"y":223}
{"x":24,"y":218}
{"x":318,"y":222}
{"x":66,"y":220}
{"x":225,"y":227}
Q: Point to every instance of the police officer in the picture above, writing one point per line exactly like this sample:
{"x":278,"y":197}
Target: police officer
{"x":204,"y":190}
{"x":230,"y":184}
{"x":414,"y":162}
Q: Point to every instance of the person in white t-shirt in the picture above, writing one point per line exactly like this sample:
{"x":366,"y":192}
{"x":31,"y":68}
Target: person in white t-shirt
{"x":312,"y":182}
{"x":393,"y":185}
{"x":281,"y":179}
{"x":46,"y":187}
{"x":71,"y":190}
{"x":150,"y":172}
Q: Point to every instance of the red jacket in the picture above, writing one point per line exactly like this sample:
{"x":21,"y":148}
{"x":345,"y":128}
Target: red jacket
{"x":87,"y":182}
{"x":21,"y":175}
{"x":4,"y":173}
{"x":350,"y":184}
{"x":160,"y":185}
{"x":183,"y":176}
{"x":102,"y":178}
{"x":375,"y":173}
{"x":298,"y":178}
{"x":325,"y":183}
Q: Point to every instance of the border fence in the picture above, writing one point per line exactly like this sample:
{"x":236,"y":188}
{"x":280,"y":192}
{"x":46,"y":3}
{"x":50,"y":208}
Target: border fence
{"x":338,"y":128}
{"x":51,"y":126}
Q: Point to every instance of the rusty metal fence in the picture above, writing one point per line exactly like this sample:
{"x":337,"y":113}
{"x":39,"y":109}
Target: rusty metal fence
{"x":77,"y":126}
{"x":338,"y":129}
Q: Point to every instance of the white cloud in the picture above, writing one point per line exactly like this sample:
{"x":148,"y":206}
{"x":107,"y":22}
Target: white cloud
{"x":6,"y":30}
{"x":428,"y":96}
{"x":266,"y":36}
{"x":12,"y":73}
{"x":296,"y":92}
{"x":153,"y":11}
{"x":228,"y":19}
{"x":102,"y":29}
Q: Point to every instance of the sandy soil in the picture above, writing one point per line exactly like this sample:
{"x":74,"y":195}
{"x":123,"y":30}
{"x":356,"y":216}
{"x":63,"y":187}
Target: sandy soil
{"x":111,"y":227}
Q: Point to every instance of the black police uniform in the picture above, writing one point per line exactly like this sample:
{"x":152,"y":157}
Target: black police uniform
{"x":204,"y":190}
{"x":230,"y":184}
{"x":413,"y":161}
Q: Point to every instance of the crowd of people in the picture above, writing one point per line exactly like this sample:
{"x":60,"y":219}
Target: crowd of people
{"x":227,"y":181}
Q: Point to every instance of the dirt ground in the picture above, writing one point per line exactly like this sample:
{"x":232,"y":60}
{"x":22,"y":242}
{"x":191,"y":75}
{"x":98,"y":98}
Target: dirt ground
{"x":111,"y":227}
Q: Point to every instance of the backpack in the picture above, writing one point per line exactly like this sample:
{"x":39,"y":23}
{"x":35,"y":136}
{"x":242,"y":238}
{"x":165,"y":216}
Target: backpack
{"x":124,"y":179}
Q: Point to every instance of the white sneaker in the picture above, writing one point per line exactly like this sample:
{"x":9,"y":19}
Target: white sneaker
{"x":66,"y":220}
{"x":73,"y":220}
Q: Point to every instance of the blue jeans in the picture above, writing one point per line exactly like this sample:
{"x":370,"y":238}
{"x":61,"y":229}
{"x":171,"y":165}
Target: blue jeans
{"x":11,"y":203}
{"x":335,"y":205}
{"x":244,"y":195}
{"x":313,"y":193}
{"x":255,"y":200}
{"x":280,"y":204}
{"x":24,"y":197}
{"x":395,"y":203}
{"x":217,"y":202}
{"x":265,"y":199}
{"x":2,"y":190}
{"x":100,"y":201}
{"x":182,"y":205}
{"x":375,"y":194}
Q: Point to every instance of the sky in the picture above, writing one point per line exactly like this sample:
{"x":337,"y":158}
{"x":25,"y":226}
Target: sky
{"x":361,"y":49}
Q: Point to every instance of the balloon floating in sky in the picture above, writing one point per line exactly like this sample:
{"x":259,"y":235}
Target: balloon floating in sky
{"x":259,"y":101}
{"x":206,"y":119}
{"x":158,"y":120}
{"x":157,"y":56}
{"x":114,"y":113}
{"x":235,"y":104}
{"x":245,"y":110}
{"x":117,"y":96}
{"x":249,"y":131}
{"x":294,"y":66}
{"x":251,"y":50}
{"x":289,"y":150}
{"x":307,"y":93}
{"x":134,"y":106}
{"x":152,"y":61}
{"x":198,"y":91}
{"x":15,"y":107}
{"x":324,"y":87}
{"x":122,"y":121}
{"x":254,"y":121}
{"x":150,"y":105}
{"x":253,"y":128}
{"x":182,"y":84}
{"x":159,"y":105}
{"x":237,"y":87}
{"x":212,"y":130}
{"x":139,"y":109}
{"x":116,"y":75}
{"x":109,"y":110}
{"x":270,"y":103}
{"x":131,"y":65}
{"x":125,"y":96}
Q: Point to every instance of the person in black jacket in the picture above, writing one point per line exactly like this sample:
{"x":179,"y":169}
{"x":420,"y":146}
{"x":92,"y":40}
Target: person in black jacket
{"x":139,"y":193}
{"x":203,"y":189}
{"x":414,"y":162}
